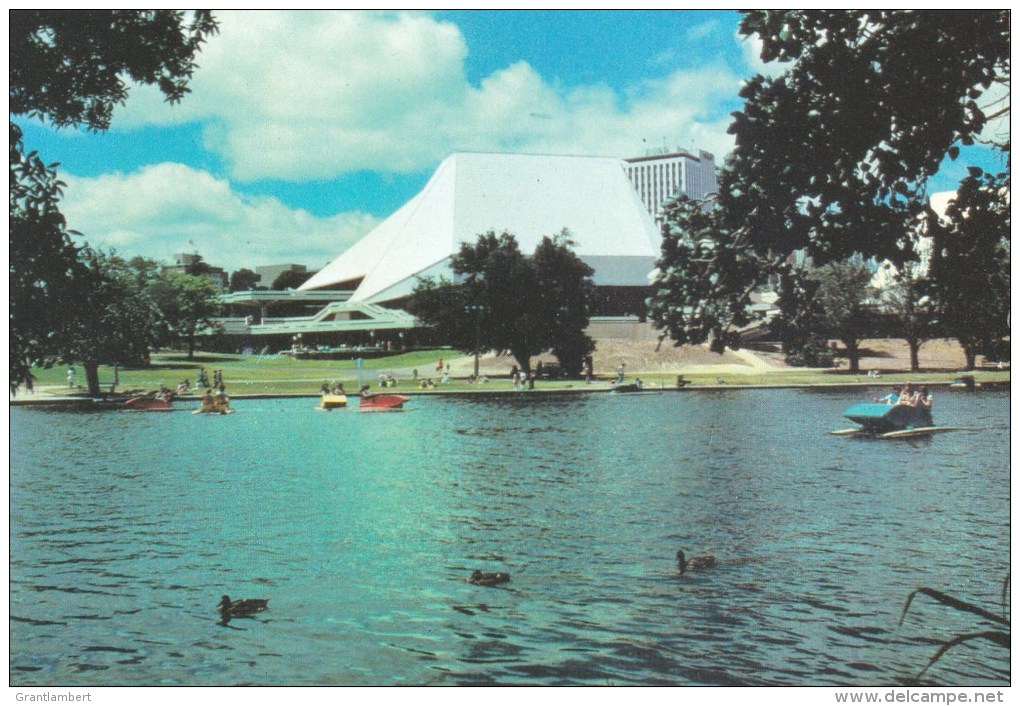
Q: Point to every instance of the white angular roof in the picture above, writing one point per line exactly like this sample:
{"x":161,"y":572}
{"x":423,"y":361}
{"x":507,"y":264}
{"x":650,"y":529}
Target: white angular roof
{"x":529,"y":196}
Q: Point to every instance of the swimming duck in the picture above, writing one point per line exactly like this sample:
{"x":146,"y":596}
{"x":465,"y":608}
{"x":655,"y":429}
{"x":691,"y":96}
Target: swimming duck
{"x":241,"y":608}
{"x":695,"y":562}
{"x":487,"y":578}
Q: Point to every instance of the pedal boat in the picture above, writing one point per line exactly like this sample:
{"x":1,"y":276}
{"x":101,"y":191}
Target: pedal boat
{"x":965,"y":382}
{"x":884,"y":421}
{"x":328,"y":402}
{"x":382,"y":403}
{"x":147,"y":403}
{"x":218,"y":406}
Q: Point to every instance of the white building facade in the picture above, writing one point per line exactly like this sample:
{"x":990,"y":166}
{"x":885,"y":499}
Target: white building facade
{"x":661,"y":177}
{"x":530,"y":196}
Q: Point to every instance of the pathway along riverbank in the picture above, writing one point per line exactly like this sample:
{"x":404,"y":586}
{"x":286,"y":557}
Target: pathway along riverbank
{"x":492,"y":388}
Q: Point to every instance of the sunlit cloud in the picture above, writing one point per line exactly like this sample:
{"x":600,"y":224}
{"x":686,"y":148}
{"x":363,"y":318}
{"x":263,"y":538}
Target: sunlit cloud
{"x":702,"y":31}
{"x":313,"y":95}
{"x":170,"y":208}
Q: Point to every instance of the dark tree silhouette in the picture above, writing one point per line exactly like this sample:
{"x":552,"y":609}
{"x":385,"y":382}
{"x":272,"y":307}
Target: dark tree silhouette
{"x":72,"y":68}
{"x":505,"y":300}
{"x":834,"y":154}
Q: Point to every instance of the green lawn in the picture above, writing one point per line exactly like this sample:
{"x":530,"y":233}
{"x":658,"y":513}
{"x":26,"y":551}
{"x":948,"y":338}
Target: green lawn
{"x":249,"y":373}
{"x":253,"y":374}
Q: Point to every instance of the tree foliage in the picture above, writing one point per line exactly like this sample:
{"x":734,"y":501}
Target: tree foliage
{"x":801,"y":325}
{"x":909,"y":302}
{"x":45,"y":273}
{"x":704,"y":277}
{"x":145,"y":269}
{"x":843,"y":295}
{"x":243,"y":280}
{"x":833,"y":155}
{"x":290,"y":279}
{"x":504,"y":300}
{"x":819,"y":303}
{"x":566,"y":291}
{"x":119,"y":325}
{"x":970,"y":266}
{"x":188,"y":304}
{"x":71,"y":68}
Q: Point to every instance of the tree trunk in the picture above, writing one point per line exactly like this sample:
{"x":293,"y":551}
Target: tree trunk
{"x":853,"y":355}
{"x":970,"y":353}
{"x":523,"y":360}
{"x":191,"y":346}
{"x":915,"y":347}
{"x":92,"y":378}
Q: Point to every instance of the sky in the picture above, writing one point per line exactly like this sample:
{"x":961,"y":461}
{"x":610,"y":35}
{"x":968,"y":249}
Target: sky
{"x":305,"y":129}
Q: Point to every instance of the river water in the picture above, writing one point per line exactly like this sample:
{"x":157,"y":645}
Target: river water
{"x":361,"y":530}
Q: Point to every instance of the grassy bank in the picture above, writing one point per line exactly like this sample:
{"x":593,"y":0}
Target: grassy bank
{"x":284,"y":375}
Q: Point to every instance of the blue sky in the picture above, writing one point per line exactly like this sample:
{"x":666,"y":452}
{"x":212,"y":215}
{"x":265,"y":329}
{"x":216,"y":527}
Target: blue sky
{"x":305,"y":129}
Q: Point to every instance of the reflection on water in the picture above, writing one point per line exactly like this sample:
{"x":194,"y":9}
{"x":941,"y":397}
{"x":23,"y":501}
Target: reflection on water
{"x":127,"y":528}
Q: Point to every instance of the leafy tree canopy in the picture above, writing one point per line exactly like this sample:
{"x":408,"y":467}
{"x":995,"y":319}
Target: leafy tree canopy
{"x":832,"y":155}
{"x":119,"y":324}
{"x":844,"y":294}
{"x":188,"y":304}
{"x":290,"y":279}
{"x":566,"y":292}
{"x":970,"y":264}
{"x":504,"y":300}
{"x":243,"y":280}
{"x":907,"y":300}
{"x":46,"y":277}
{"x":71,"y":68}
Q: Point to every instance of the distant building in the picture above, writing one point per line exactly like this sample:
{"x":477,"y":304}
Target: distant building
{"x":661,"y":177}
{"x":269,"y":273}
{"x":192,"y":263}
{"x":887,"y":274}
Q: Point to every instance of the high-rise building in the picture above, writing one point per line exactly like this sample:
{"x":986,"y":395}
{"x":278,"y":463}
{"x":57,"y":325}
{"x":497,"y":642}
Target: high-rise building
{"x":660,"y":177}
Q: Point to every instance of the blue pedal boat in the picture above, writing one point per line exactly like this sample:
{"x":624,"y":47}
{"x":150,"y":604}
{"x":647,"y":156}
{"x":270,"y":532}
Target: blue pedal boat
{"x":890,"y":421}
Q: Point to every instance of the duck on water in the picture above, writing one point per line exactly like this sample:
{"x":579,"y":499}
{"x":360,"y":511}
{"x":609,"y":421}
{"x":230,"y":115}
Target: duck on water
{"x":243,"y":608}
{"x":695,"y":563}
{"x":488,"y":578}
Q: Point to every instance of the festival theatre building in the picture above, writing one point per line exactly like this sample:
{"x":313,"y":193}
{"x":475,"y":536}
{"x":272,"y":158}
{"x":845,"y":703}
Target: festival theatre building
{"x":529,"y":196}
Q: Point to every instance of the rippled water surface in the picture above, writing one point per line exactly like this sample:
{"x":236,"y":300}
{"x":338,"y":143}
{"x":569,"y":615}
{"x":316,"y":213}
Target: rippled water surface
{"x":361,"y":529}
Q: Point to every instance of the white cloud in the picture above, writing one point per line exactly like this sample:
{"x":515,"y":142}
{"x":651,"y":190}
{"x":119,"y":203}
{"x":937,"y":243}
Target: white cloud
{"x":702,"y":31}
{"x":306,"y":95}
{"x":751,"y":47}
{"x":169,"y":208}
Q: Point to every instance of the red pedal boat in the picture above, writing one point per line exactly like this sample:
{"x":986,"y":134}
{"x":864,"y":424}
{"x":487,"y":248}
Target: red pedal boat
{"x":148,"y":404}
{"x":381,"y":403}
